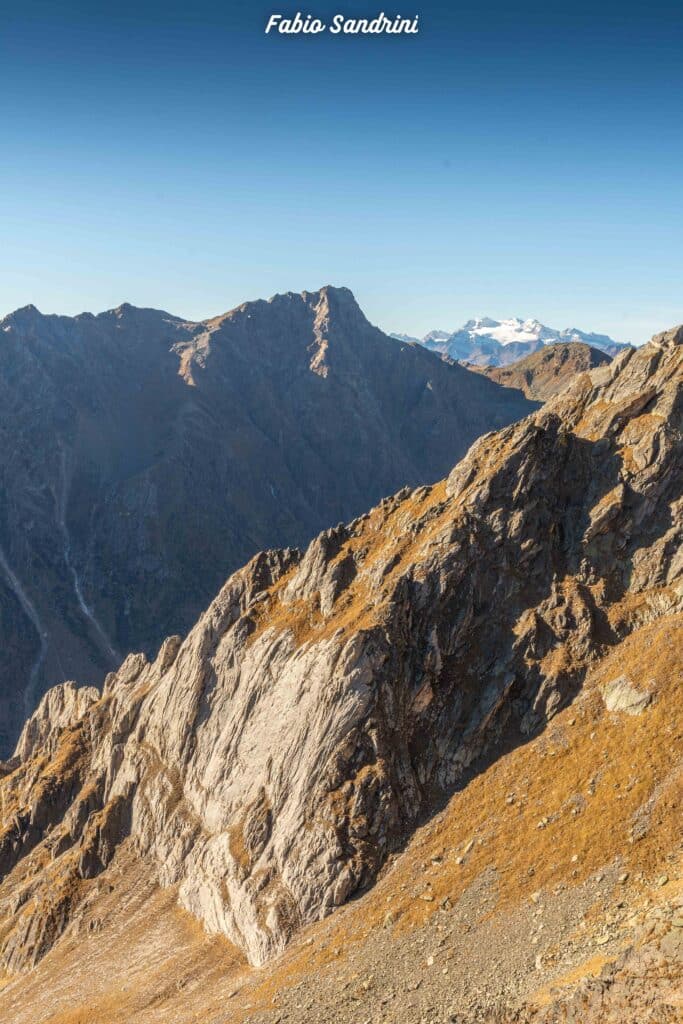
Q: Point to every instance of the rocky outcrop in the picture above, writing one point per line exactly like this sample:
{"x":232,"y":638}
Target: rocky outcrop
{"x":61,"y":708}
{"x":641,"y":986}
{"x":621,"y":695}
{"x":146,"y":458}
{"x":269,"y":763}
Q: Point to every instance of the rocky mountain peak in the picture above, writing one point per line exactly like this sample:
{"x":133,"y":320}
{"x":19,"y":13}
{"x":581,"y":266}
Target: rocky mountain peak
{"x":334,"y":296}
{"x":26,"y":316}
{"x":285,"y":416}
{"x":268,"y":764}
{"x":670,"y":338}
{"x":127,"y":312}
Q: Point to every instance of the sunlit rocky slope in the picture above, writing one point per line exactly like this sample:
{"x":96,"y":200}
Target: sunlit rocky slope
{"x":463,"y":709}
{"x":145,"y":458}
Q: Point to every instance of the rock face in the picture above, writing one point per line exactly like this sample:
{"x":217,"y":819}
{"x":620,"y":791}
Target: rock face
{"x":545,"y":373}
{"x":145,"y":458}
{"x":621,"y":695}
{"x":487,"y":342}
{"x":269,"y":763}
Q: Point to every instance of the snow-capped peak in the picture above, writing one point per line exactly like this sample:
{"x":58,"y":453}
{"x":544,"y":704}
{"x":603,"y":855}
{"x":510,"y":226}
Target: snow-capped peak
{"x":487,"y":341}
{"x":505,"y":332}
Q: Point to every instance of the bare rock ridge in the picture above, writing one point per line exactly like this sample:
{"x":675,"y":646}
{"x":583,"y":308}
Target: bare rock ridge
{"x":545,"y":373}
{"x":325,"y":702}
{"x":145,"y":458}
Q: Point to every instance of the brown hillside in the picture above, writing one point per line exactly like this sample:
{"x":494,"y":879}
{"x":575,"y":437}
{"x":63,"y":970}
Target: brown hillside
{"x":545,"y":373}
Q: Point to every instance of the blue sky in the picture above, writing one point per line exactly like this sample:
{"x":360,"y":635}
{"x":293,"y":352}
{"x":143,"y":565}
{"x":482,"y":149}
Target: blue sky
{"x":512,"y":159}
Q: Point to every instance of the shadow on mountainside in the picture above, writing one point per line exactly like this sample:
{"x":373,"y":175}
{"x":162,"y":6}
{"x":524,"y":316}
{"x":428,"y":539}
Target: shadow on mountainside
{"x":491,"y":643}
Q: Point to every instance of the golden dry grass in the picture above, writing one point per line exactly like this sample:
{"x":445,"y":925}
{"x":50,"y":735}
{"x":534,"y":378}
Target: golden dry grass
{"x":622,"y":760}
{"x":605,"y":765}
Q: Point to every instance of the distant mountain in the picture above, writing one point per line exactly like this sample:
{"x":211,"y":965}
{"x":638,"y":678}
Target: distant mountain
{"x":407,"y":339}
{"x":487,"y":342}
{"x":143,"y":458}
{"x":547,"y":372}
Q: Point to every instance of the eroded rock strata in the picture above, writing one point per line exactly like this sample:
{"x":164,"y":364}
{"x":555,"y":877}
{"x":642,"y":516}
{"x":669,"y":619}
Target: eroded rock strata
{"x":145,"y":458}
{"x":325,"y":702}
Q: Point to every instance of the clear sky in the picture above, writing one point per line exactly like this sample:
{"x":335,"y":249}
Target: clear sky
{"x":511,"y":159}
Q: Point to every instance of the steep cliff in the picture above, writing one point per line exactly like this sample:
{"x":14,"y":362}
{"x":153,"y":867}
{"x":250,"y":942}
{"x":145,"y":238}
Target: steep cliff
{"x":145,"y":458}
{"x":267,"y":765}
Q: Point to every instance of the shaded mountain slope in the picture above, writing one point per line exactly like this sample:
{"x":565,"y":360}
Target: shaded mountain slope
{"x":268,"y":766}
{"x":145,"y":458}
{"x":545,"y":373}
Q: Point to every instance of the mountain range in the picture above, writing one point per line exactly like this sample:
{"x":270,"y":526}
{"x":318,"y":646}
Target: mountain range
{"x":487,"y":342}
{"x":546,"y":372}
{"x":426,"y":769}
{"x":145,"y":457}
